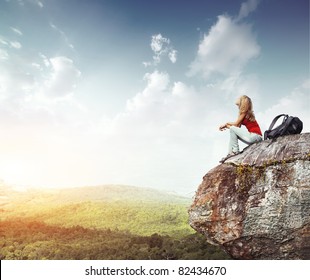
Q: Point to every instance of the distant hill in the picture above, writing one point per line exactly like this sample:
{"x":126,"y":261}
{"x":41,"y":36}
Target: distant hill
{"x":104,"y":193}
{"x":119,"y":193}
{"x":138,"y":210}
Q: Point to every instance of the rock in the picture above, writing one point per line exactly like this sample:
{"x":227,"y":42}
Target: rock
{"x":256,"y":205}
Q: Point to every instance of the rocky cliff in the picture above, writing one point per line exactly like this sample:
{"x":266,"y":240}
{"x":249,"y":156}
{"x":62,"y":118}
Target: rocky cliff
{"x":256,"y":205}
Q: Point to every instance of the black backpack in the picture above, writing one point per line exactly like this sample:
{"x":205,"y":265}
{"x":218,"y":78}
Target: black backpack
{"x":289,"y":125}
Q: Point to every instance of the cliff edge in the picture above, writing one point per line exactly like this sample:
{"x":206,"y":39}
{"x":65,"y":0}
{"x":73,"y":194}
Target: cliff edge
{"x":256,"y":205}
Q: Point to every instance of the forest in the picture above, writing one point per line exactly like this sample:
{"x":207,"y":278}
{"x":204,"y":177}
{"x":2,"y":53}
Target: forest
{"x":32,"y":240}
{"x":102,"y":223}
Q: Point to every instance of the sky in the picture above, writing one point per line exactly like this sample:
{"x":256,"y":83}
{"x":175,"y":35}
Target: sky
{"x":133,"y":92}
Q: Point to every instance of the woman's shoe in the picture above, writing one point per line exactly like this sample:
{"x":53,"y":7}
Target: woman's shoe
{"x":228,"y":156}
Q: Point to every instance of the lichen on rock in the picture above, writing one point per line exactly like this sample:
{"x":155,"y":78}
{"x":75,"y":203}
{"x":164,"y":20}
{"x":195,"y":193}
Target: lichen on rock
{"x":256,"y":205}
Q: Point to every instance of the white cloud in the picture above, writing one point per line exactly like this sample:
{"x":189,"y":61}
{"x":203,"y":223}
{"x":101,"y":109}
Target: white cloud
{"x":247,"y":8}
{"x":159,"y":43}
{"x":45,"y":59}
{"x":3,"y":42}
{"x":3,"y":55}
{"x":237,"y":85}
{"x":41,"y":91}
{"x":173,"y":56}
{"x":297,"y":103}
{"x":63,"y":35}
{"x":14,"y":83}
{"x":147,"y":63}
{"x":166,"y":128}
{"x":226,"y":50}
{"x":164,"y":104}
{"x":17,"y":31}
{"x":7,"y":43}
{"x":63,"y":77}
{"x":157,"y":83}
{"x":39,"y":3}
{"x":16,"y":45}
{"x":161,"y":47}
{"x":36,"y":89}
{"x":37,"y":66}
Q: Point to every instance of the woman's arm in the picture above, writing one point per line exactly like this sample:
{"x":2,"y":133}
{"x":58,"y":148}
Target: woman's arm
{"x":236,"y":123}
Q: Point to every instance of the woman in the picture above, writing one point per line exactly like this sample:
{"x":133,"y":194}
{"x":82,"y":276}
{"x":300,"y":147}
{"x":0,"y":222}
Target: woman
{"x":246,"y":117}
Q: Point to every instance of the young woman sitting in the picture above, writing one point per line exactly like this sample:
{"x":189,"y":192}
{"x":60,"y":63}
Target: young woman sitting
{"x":246,"y":117}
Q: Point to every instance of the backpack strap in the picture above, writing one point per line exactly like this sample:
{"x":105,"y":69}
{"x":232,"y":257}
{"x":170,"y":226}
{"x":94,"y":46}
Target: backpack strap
{"x":276,"y":118}
{"x":272,"y":124}
{"x":287,"y":124}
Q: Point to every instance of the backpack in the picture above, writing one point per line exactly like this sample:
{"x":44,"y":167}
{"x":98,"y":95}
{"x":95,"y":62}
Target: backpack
{"x":289,"y":125}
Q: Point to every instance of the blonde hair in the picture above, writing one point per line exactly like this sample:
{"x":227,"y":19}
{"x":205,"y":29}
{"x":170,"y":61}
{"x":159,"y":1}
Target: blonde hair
{"x":246,"y":106}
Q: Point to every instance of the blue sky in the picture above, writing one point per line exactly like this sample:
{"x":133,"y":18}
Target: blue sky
{"x":133,"y":92}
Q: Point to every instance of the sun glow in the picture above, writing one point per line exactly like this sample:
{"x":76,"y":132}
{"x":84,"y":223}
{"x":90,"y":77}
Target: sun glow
{"x":17,"y":171}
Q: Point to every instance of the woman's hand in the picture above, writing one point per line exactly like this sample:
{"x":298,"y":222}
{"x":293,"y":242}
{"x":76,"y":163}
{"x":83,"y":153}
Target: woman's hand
{"x":223,"y":127}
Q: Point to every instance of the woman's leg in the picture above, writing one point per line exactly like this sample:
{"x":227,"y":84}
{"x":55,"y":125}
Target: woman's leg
{"x":237,"y":133}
